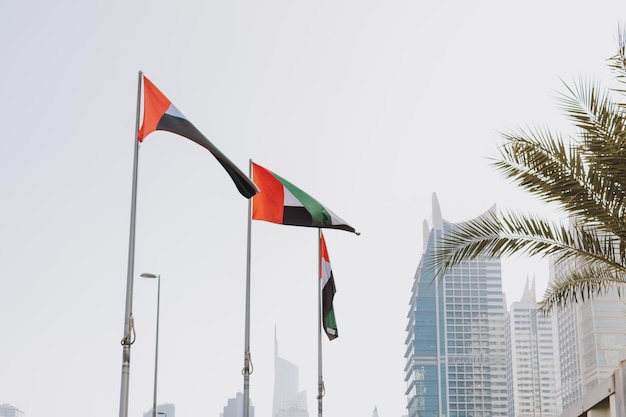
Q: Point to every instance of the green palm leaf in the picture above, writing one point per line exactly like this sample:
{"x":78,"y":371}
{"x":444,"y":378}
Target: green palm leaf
{"x":581,"y":284}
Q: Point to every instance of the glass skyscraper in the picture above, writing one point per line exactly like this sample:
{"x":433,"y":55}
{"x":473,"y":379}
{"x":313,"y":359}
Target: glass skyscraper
{"x":456,"y":359}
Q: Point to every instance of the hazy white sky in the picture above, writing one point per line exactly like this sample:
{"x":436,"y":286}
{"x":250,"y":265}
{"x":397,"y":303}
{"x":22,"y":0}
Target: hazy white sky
{"x":370,"y":106}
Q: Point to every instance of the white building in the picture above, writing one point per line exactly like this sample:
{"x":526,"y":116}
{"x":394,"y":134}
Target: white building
{"x":532,"y":370}
{"x":591,"y":340}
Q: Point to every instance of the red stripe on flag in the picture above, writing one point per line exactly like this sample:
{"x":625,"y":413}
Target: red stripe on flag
{"x":269,"y":203}
{"x":155,"y":104}
{"x":324,"y":255}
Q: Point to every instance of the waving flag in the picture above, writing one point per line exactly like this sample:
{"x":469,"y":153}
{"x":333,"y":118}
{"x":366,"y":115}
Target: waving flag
{"x":160,"y":114}
{"x":328,"y":292}
{"x":279,"y":201}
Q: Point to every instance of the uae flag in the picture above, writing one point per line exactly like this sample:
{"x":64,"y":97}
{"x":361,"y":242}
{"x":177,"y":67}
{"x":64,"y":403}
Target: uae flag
{"x":279,"y":201}
{"x":160,"y":114}
{"x":328,"y":292}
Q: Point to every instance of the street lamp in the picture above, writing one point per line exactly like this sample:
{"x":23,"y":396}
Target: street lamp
{"x":156,"y":348}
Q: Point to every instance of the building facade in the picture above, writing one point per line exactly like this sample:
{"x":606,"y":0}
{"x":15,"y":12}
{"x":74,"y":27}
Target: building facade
{"x":456,"y":357}
{"x":533,"y":366}
{"x":591,"y":341}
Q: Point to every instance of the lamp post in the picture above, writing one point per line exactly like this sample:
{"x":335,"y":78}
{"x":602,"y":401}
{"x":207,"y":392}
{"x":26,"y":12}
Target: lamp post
{"x":156,"y":348}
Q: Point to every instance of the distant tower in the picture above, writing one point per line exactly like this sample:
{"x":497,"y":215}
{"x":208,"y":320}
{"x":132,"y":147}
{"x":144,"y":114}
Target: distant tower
{"x":532,"y":371}
{"x":7,"y":410}
{"x":456,"y":361}
{"x":234,"y":407}
{"x":375,"y":413}
{"x":288,"y":400}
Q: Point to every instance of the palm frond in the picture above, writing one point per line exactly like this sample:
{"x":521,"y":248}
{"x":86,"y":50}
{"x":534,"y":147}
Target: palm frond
{"x":540,"y":162}
{"x":500,"y":235}
{"x":581,"y":284}
{"x":599,"y":119}
{"x":602,"y":135}
{"x":537,"y":161}
{"x":602,"y":140}
{"x":618,"y":61}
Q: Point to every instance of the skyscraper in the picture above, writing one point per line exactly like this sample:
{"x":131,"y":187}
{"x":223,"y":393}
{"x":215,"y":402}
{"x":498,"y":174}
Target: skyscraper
{"x":532,"y":370}
{"x":289,"y":401}
{"x":455,"y":347}
{"x":591,"y":341}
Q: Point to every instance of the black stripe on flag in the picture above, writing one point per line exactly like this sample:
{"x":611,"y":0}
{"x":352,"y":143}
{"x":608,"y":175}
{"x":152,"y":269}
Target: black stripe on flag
{"x":183,"y":127}
{"x":297,"y":216}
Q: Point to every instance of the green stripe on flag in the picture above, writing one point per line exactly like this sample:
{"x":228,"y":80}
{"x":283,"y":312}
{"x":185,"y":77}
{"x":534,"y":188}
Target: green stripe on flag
{"x":320,"y":216}
{"x":330,"y":324}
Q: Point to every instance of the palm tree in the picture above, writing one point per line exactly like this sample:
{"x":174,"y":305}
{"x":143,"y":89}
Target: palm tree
{"x":585,"y":177}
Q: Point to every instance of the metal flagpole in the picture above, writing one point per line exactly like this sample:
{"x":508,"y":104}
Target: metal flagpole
{"x":320,"y":379}
{"x":127,"y":340}
{"x":247,"y":364}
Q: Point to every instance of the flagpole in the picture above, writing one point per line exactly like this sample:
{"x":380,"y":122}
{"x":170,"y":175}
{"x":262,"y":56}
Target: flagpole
{"x":320,"y":379}
{"x":247,"y":366}
{"x":128,"y":315}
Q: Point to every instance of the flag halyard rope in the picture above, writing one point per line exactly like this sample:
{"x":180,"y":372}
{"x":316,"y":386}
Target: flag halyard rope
{"x":127,"y":340}
{"x":248,"y":367}
{"x":322,"y":390}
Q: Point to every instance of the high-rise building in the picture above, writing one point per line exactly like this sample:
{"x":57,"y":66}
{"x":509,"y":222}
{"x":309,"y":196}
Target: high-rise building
{"x":289,"y":401}
{"x":7,"y":410}
{"x":456,"y":362}
{"x":591,"y":341}
{"x":234,"y":407}
{"x":532,"y":369}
